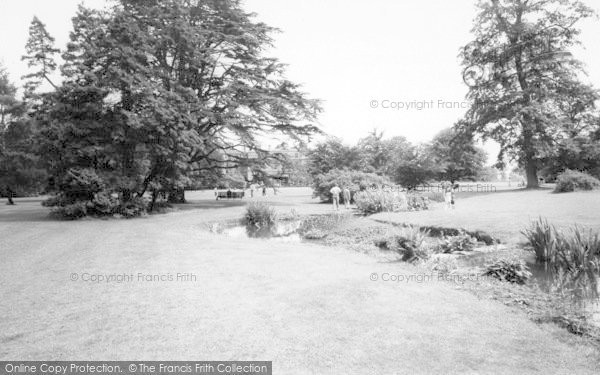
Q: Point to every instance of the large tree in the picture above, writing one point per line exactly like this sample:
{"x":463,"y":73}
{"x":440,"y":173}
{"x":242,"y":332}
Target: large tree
{"x":40,"y":55}
{"x":158,"y":91}
{"x":19,"y":171}
{"x":333,"y":154}
{"x":456,"y":156}
{"x":526,"y":81}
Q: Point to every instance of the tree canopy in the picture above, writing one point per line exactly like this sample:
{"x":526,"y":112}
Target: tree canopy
{"x":155,"y":92}
{"x":528,"y":93}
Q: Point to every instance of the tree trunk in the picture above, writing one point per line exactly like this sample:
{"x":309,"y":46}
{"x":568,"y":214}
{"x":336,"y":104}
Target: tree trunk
{"x":176,"y":195}
{"x":10,"y":201}
{"x":153,"y":201}
{"x":531,"y":172}
{"x":126,"y":195}
{"x":9,"y":195}
{"x":530,"y":162}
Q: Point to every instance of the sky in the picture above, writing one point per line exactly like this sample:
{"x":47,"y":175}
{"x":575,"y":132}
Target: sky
{"x":383,"y":64}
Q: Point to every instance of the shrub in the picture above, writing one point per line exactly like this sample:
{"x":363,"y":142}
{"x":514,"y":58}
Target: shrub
{"x":70,"y":211}
{"x":434,"y":196}
{"x":408,"y":243}
{"x":315,"y":234}
{"x":356,"y":181}
{"x":441,"y":263}
{"x":83,"y":193}
{"x":373,"y":201}
{"x":481,"y":236}
{"x":260,"y":214}
{"x":135,"y":207}
{"x":511,"y":270}
{"x":415,"y":234}
{"x":104,"y":204}
{"x":460,"y":242}
{"x":571,"y":180}
{"x":417,"y":202}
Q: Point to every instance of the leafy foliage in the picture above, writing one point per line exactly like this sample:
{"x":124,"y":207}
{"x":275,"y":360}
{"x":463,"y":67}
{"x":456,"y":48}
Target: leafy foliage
{"x":20,"y":171}
{"x":451,"y":155}
{"x":158,"y":92}
{"x":460,"y":242}
{"x":40,"y":55}
{"x":373,"y":201}
{"x":570,"y":180}
{"x":574,"y":254}
{"x":542,"y":238}
{"x":511,"y":270}
{"x":82,"y":192}
{"x":457,"y":156}
{"x":355,"y":181}
{"x":528,"y":94}
{"x":260,"y":215}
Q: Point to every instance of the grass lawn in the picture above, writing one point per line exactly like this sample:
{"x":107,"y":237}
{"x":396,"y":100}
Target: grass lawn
{"x":310,"y":309}
{"x":505,"y":213}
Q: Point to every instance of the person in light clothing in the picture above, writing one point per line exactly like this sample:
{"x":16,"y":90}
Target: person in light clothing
{"x":335,"y":196}
{"x":447,"y":190}
{"x":347,"y":197}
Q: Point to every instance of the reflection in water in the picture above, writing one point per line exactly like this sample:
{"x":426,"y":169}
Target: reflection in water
{"x":581,"y":287}
{"x":281,"y":231}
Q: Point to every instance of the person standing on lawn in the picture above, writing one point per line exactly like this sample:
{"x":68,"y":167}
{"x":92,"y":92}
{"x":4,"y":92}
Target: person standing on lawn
{"x":453,"y":191}
{"x":447,"y":190}
{"x":347,"y":196}
{"x":335,"y":196}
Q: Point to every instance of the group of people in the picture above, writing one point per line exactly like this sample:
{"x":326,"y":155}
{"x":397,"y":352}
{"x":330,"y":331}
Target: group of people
{"x":449,"y":190}
{"x":262,"y":188}
{"x":335,"y":195}
{"x":253,"y":187}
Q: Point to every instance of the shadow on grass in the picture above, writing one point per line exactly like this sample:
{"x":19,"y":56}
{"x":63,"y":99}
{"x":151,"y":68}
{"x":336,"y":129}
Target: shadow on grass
{"x":25,"y":213}
{"x":470,"y":194}
{"x":209,"y":204}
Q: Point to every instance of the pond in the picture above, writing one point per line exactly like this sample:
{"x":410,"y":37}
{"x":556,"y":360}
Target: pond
{"x":281,"y":231}
{"x":584,"y":292}
{"x":583,"y":298}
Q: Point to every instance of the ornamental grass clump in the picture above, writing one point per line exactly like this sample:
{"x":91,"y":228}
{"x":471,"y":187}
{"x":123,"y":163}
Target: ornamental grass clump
{"x":260,"y":215}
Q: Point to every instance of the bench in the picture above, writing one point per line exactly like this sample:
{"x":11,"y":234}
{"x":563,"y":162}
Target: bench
{"x":230,"y":194}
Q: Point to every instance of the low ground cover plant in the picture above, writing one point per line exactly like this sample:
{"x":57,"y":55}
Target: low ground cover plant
{"x":409,"y":243}
{"x":437,"y":231}
{"x":510,"y":270}
{"x":460,"y":242}
{"x":318,"y":226}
